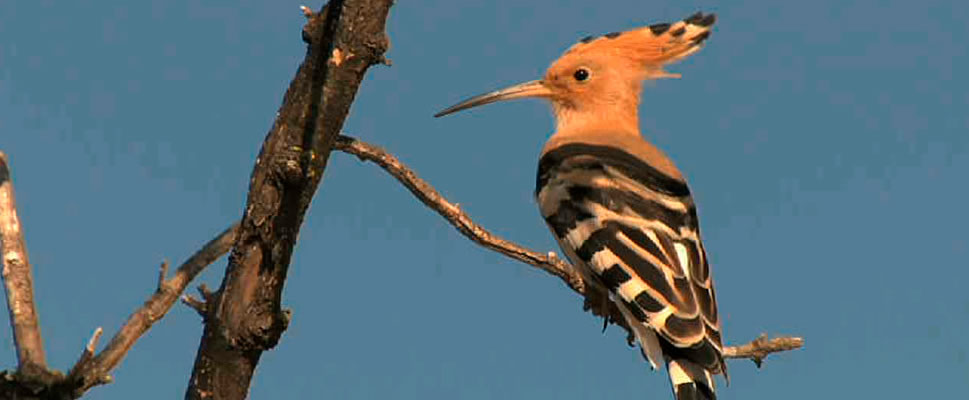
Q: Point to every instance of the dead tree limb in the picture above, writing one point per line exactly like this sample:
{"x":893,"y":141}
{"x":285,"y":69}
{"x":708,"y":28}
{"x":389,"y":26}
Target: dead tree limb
{"x":426,"y":193}
{"x":245,"y":316}
{"x":17,"y":276}
{"x":19,"y":284}
{"x":94,"y":370}
{"x":756,"y":350}
{"x":33,"y":380}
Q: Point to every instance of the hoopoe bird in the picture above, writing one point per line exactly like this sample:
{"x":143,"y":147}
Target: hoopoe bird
{"x":619,"y":208}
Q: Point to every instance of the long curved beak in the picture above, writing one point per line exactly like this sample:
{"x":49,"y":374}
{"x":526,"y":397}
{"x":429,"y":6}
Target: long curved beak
{"x":527,"y":89}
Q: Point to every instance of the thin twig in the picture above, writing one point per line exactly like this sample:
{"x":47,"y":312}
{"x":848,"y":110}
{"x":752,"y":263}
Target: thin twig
{"x":426,"y":193}
{"x":307,"y":12}
{"x":86,"y":355}
{"x":206,"y":293}
{"x":756,"y":350}
{"x":198,"y":305}
{"x":759,"y":348}
{"x":201,"y":306}
{"x":18,"y":280}
{"x":87,"y":374}
{"x":162,"y":275}
{"x":596,"y":299}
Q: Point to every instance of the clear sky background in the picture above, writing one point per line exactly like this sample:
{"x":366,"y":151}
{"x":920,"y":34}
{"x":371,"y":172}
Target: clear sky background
{"x":826,"y":142}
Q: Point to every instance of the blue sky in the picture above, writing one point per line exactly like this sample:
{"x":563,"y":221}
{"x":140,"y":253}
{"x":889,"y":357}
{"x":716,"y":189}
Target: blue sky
{"x":826,"y":142}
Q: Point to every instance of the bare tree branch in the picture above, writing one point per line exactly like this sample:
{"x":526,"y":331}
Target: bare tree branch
{"x":90,"y":369}
{"x":424,"y":192}
{"x":199,"y":305}
{"x":89,"y":372}
{"x":33,"y":379}
{"x":245,"y":316}
{"x":756,"y":350}
{"x":760,"y":348}
{"x":596,"y":298}
{"x":88,"y":353}
{"x":18,"y":280}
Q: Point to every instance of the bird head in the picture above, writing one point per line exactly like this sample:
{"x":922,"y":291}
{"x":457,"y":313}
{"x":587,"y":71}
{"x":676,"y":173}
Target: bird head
{"x":603,"y":75}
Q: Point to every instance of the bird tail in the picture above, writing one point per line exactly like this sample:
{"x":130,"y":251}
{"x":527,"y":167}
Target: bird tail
{"x":690,"y":380}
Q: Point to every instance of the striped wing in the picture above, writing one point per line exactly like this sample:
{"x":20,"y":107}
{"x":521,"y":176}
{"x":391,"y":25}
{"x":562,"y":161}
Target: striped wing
{"x":634,"y":230}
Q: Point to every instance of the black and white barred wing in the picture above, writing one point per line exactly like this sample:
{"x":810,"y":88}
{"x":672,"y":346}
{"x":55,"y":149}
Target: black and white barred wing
{"x":634,"y":230}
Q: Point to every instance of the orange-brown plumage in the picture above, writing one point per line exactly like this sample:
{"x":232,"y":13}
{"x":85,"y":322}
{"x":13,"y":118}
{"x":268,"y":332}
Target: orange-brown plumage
{"x":620,"y":209}
{"x":617,"y":64}
{"x":645,"y":50}
{"x":607,"y":102}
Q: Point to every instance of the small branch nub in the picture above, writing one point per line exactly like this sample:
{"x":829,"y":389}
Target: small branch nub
{"x":307,"y":12}
{"x":162,"y":275}
{"x":86,"y":355}
{"x":199,"y":305}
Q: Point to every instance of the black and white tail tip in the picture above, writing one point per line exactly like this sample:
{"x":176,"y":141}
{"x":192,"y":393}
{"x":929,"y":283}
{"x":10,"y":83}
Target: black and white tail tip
{"x":690,"y":381}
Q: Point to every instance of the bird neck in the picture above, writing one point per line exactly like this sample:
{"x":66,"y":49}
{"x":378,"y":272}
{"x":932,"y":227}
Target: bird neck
{"x":608,"y":128}
{"x":604,"y":120}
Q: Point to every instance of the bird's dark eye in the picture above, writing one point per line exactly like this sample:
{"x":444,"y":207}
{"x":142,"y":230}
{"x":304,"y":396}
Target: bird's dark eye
{"x":581,"y":74}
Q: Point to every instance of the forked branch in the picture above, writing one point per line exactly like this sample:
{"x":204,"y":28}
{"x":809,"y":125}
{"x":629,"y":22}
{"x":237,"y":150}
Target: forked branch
{"x":92,"y":370}
{"x":757,"y":350}
{"x":246,"y":316}
{"x":33,"y":379}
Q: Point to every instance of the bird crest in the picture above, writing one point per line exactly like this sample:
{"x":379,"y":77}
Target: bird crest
{"x":647,"y":48}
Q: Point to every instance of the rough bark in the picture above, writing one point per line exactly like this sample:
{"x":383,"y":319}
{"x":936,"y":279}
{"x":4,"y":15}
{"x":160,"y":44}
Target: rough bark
{"x":244,"y":317}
